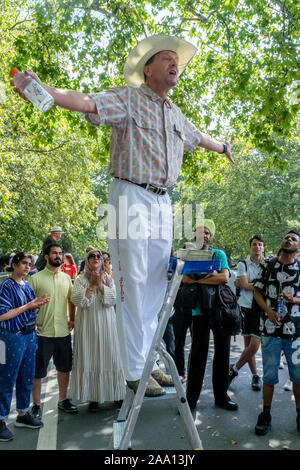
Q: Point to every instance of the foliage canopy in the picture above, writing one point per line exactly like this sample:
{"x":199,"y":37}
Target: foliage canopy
{"x":243,"y":82}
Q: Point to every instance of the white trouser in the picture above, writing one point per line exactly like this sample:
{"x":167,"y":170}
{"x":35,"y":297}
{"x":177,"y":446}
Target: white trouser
{"x":140,"y":255}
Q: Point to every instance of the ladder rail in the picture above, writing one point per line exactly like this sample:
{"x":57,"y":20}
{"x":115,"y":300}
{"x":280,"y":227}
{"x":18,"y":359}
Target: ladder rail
{"x":182,"y":403}
{"x":154,"y":349}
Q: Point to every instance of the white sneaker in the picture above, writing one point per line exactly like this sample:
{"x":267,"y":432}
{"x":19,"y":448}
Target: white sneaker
{"x":288,"y":386}
{"x":281,"y":365}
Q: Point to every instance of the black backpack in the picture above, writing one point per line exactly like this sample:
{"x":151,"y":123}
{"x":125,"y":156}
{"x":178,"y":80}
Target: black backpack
{"x":227,"y":312}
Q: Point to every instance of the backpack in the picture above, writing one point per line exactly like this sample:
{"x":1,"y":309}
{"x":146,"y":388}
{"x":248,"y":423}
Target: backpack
{"x":198,"y":294}
{"x":227,"y":312}
{"x":189,"y":296}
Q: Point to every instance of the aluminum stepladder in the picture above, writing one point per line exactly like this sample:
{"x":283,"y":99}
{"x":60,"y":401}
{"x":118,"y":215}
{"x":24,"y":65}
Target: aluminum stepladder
{"x":124,"y":426}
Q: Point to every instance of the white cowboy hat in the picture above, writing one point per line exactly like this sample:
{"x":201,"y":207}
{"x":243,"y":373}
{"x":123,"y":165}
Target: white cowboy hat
{"x":56,"y":229}
{"x":141,"y":53}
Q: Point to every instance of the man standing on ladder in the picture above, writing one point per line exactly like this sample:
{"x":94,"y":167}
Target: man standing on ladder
{"x":149,"y":136}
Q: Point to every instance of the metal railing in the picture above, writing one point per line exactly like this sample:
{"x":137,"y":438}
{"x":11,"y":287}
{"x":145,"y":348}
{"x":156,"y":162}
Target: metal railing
{"x":3,"y":276}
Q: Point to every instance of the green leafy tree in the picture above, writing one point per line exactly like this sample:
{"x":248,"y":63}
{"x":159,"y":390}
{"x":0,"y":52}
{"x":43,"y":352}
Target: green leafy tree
{"x":248,"y":198}
{"x":242,"y":82}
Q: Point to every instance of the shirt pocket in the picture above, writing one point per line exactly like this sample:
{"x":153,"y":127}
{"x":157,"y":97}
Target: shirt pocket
{"x":141,"y":121}
{"x":178,"y":131}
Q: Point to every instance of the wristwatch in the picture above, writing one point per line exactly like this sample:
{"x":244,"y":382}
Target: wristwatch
{"x":225,"y":148}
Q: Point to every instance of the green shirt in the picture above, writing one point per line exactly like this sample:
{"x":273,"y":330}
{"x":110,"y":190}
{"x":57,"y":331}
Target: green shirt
{"x":218,"y":256}
{"x":53,"y":316}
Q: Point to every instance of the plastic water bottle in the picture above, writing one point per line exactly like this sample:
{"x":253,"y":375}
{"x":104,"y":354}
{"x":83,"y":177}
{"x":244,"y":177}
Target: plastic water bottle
{"x":280,"y":307}
{"x":33,"y":91}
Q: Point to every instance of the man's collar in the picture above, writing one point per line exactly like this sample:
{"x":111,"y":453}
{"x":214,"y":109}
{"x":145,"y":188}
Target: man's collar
{"x":153,"y":96}
{"x":51,"y":272}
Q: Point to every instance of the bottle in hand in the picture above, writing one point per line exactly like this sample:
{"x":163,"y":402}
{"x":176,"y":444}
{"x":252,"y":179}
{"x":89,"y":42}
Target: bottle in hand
{"x":33,"y":91}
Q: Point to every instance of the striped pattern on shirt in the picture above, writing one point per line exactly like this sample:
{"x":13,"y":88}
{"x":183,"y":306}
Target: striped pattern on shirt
{"x":14,"y":295}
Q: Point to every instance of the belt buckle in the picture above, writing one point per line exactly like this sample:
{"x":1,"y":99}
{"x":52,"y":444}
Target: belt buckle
{"x":155,"y":190}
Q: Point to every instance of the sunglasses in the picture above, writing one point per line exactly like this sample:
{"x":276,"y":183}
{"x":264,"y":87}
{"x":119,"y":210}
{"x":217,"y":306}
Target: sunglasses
{"x":95,"y":256}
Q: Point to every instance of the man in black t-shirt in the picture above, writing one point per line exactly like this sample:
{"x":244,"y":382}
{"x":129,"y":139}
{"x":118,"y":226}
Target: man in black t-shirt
{"x":277,"y":291}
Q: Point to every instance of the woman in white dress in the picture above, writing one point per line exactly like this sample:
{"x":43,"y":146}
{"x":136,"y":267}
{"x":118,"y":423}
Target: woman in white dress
{"x":97,"y":374}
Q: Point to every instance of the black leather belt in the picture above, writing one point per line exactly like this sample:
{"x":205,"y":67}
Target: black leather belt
{"x":148,"y":186}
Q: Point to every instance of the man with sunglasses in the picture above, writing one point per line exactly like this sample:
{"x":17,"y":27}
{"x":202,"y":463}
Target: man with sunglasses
{"x":149,"y":136}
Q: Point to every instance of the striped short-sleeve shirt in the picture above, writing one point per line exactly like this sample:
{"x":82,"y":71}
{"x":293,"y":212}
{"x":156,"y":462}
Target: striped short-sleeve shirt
{"x":14,"y":295}
{"x":149,"y":134}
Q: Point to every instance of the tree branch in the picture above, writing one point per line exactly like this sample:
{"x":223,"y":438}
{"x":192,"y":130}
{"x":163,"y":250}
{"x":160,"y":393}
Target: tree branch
{"x":284,"y":9}
{"x":22,"y":150}
{"x":203,"y":19}
{"x":17,"y":23}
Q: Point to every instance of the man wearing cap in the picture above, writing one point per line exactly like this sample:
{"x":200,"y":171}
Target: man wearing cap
{"x":149,"y":136}
{"x":53,"y":237}
{"x":201,"y":327}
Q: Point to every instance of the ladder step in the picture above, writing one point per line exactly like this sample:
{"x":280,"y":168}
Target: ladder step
{"x":169,"y":391}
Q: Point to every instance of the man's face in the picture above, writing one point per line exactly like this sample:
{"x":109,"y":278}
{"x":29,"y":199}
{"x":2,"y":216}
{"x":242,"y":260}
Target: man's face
{"x":163,"y":69}
{"x":55,"y":256}
{"x":291,"y":243}
{"x":203,"y":235}
{"x":256,"y":247}
{"x":56,"y":235}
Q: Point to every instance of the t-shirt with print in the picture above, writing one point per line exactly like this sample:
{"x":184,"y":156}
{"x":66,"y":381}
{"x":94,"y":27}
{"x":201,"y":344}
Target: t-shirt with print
{"x":250,"y":269}
{"x":282,"y":278}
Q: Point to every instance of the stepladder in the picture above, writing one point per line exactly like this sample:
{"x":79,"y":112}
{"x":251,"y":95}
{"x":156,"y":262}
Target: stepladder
{"x":123,"y":427}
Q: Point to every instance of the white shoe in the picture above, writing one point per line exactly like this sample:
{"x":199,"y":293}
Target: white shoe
{"x":288,"y":386}
{"x":281,"y":365}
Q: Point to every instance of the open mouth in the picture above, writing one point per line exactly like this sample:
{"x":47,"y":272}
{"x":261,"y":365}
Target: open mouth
{"x":173,"y":72}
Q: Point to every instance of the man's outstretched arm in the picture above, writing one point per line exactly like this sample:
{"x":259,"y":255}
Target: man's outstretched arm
{"x":208,"y":143}
{"x":68,"y":99}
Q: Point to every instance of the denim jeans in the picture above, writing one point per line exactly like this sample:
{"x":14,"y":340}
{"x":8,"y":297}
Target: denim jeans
{"x":17,"y":366}
{"x":271,"y":348}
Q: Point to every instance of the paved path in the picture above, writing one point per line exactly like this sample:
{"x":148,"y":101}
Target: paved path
{"x":159,"y":425}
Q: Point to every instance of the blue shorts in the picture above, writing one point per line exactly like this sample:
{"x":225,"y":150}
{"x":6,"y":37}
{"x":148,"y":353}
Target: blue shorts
{"x":271,"y":351}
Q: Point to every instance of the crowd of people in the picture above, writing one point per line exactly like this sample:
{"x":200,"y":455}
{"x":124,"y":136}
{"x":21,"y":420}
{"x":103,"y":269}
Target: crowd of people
{"x":38,"y":313}
{"x":148,"y":139}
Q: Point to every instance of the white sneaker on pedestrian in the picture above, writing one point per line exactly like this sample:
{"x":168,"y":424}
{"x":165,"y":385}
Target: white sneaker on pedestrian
{"x":281,"y":365}
{"x":288,"y":386}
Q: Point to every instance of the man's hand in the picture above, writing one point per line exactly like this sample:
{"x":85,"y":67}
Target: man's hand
{"x":273,"y":317}
{"x":228,"y":153}
{"x":289,"y":297}
{"x":20,"y":82}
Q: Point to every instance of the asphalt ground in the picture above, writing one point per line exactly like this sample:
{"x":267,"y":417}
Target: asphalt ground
{"x":159,"y":426}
